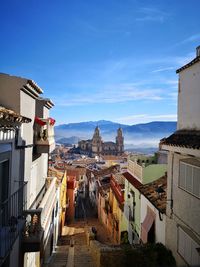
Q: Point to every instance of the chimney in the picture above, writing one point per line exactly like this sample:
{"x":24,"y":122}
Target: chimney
{"x":198,"y":51}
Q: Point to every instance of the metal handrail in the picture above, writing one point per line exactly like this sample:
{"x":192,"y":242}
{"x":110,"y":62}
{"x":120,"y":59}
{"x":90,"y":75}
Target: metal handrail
{"x":11,"y":219}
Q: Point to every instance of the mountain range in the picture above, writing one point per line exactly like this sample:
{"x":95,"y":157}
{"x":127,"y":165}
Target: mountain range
{"x":139,"y":135}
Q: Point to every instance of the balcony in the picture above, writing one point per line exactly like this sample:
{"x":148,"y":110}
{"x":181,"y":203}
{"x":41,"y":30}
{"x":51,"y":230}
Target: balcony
{"x":11,"y":220}
{"x":38,"y":221}
{"x":44,"y":135}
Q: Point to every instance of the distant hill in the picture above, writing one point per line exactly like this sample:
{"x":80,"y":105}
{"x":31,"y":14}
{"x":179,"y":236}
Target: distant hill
{"x":148,"y":133}
{"x":90,"y":126}
{"x":152,"y":127}
{"x":68,"y":140}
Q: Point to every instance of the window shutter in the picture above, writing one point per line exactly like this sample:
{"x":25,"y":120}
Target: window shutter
{"x":182,"y":175}
{"x":196,"y":181}
{"x":189,"y":178}
{"x":187,"y":248}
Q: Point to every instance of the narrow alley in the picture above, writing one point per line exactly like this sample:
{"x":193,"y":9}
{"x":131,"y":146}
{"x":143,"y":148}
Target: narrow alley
{"x":72,"y":249}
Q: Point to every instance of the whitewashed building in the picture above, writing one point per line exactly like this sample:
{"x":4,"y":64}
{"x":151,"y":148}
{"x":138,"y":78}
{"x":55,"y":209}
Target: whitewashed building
{"x":183,"y":195}
{"x":33,"y":142}
{"x":153,"y":211}
{"x":13,"y":198}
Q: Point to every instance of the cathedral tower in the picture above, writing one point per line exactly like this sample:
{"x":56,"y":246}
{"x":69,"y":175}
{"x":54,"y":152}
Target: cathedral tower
{"x":96,"y":142}
{"x":120,"y":141}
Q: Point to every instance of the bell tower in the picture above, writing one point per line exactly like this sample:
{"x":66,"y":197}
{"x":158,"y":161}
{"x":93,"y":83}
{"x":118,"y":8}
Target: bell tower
{"x":120,"y":141}
{"x":96,"y":142}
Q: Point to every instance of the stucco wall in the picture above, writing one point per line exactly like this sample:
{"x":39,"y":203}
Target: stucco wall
{"x":186,"y":208}
{"x":159,"y":225}
{"x":189,"y":98}
{"x":153,"y":172}
{"x":135,"y":169}
{"x":182,"y":200}
{"x":129,"y":203}
{"x":10,"y":91}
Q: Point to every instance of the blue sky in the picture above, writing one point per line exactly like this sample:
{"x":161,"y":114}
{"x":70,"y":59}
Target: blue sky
{"x":101,"y":59}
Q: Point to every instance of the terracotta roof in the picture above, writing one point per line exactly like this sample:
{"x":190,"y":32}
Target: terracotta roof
{"x":132,"y":179}
{"x":11,"y":116}
{"x":84,"y":161}
{"x":53,"y":172}
{"x":119,"y":178}
{"x":195,"y":60}
{"x":109,"y":170}
{"x":183,"y":138}
{"x":111,"y":157}
{"x":156,"y":193}
{"x":74,"y":170}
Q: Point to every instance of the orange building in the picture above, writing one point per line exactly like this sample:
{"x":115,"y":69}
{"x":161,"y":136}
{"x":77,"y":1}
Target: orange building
{"x":111,"y":204}
{"x":71,"y":186}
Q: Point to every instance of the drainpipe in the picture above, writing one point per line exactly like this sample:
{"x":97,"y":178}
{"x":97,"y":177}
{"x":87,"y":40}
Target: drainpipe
{"x":171,"y":197}
{"x":17,"y":139}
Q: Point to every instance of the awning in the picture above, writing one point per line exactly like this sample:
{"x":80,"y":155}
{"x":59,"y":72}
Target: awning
{"x":39,"y":121}
{"x":42,"y":122}
{"x":146,"y":225}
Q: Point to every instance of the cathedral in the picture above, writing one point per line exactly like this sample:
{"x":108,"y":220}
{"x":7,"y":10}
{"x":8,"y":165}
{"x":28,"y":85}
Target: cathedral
{"x":96,"y":146}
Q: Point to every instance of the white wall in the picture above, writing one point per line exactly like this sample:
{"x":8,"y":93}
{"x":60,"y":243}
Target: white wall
{"x":186,"y":208}
{"x":182,"y":200}
{"x":10,"y":94}
{"x":159,"y":225}
{"x":189,"y":98}
{"x":135,"y":169}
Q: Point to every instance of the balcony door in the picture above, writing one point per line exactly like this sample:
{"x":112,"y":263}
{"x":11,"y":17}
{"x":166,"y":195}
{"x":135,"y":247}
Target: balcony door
{"x":4,"y":180}
{"x":4,"y":183}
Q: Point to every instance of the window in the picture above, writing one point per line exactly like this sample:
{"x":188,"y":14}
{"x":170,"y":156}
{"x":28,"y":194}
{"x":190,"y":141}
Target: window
{"x":189,"y":177}
{"x":188,"y":248}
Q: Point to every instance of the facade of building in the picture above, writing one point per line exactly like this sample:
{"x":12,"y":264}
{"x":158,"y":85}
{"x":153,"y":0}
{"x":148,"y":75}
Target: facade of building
{"x":145,"y":170}
{"x":153,"y":211}
{"x":28,"y":147}
{"x":96,"y":146}
{"x":115,"y":222}
{"x":12,"y":187}
{"x":63,"y":199}
{"x":141,"y":170}
{"x":183,"y":194}
{"x":132,"y":207}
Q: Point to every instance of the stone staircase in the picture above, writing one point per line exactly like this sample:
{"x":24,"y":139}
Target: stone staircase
{"x":72,"y":251}
{"x":59,"y":257}
{"x":82,"y":254}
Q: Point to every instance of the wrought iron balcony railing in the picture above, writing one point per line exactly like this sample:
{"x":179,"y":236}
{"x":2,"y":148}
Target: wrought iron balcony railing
{"x":12,"y":220}
{"x":33,"y":231}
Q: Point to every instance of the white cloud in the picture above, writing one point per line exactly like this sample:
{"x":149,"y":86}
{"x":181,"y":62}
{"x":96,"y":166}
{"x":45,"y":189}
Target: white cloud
{"x":143,"y":118}
{"x":163,"y":69}
{"x":110,"y":94}
{"x":151,"y":14}
{"x":192,"y":38}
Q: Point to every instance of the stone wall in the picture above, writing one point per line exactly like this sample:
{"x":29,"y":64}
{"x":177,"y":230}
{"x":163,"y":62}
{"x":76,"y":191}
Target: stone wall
{"x":105,"y":256}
